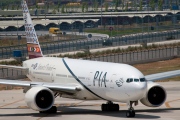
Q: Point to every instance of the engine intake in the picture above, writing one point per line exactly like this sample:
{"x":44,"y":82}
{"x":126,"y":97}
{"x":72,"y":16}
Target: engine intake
{"x":39,"y":98}
{"x":155,"y":96}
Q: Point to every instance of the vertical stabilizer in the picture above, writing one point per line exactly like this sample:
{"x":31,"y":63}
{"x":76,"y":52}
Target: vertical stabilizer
{"x":33,"y":47}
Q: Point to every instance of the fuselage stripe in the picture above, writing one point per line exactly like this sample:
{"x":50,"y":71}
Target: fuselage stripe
{"x":79,"y":80}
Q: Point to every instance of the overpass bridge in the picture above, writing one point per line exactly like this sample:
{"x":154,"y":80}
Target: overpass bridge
{"x":70,"y":21}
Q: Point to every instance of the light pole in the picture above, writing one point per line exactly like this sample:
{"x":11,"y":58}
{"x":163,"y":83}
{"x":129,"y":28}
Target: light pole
{"x":17,"y":27}
{"x":117,"y":25}
{"x":111,"y":21}
{"x":142,"y":23}
{"x":101,"y":13}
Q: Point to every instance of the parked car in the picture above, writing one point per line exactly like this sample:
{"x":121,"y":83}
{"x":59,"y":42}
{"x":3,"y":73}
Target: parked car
{"x":170,"y":37}
{"x":107,"y":43}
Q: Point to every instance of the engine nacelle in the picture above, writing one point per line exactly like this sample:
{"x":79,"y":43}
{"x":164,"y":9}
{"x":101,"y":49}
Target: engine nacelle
{"x":155,"y":95}
{"x":39,"y":98}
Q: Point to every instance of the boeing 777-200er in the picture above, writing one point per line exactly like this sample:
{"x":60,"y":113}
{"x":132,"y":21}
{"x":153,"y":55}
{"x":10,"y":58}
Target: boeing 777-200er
{"x":83,"y":79}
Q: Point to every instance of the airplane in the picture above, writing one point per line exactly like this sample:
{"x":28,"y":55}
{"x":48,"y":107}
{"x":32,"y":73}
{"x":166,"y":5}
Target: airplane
{"x":83,"y":79}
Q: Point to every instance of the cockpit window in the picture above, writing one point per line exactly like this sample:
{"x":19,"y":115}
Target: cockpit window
{"x":129,"y":80}
{"x":136,"y":80}
{"x":142,"y":80}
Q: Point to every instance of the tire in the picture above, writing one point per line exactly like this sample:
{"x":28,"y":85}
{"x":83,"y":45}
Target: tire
{"x":128,"y":114}
{"x":53,"y":109}
{"x":116,"y":107}
{"x":133,"y":113}
{"x":103,"y":107}
{"x":41,"y":112}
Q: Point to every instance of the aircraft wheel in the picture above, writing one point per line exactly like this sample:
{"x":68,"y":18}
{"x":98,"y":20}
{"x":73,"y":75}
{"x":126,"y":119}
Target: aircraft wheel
{"x":53,"y":109}
{"x":130,"y":114}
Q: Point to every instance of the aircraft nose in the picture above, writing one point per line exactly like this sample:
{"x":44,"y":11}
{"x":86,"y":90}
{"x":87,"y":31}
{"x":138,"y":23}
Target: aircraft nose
{"x":141,"y":88}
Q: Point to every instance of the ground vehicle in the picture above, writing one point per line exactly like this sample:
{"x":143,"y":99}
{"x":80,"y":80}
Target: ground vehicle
{"x":170,"y":37}
{"x":107,"y":43}
{"x":54,"y":30}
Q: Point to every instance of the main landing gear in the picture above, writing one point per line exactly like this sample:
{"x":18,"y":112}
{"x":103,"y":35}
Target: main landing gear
{"x":110,"y":107}
{"x":53,"y":109}
{"x":131,"y":112}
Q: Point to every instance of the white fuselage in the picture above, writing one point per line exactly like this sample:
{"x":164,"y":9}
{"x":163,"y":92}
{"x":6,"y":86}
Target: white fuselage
{"x":99,"y":80}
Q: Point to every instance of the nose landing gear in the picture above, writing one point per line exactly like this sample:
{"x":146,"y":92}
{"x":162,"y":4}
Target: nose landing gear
{"x":131,"y":112}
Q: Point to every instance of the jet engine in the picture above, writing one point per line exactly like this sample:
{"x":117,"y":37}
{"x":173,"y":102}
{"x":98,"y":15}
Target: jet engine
{"x":39,"y":98}
{"x":155,"y":95}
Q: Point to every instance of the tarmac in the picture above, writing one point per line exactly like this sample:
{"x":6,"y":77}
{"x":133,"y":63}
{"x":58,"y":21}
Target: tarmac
{"x":13,"y":106}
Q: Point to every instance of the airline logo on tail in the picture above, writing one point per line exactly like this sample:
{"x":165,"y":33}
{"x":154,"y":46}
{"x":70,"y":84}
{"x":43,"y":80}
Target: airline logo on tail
{"x":33,"y":47}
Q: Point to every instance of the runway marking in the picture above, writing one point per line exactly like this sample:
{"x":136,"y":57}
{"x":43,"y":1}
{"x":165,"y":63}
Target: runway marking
{"x":167,"y":103}
{"x":23,"y":107}
{"x":11,"y":103}
{"x":75,"y":104}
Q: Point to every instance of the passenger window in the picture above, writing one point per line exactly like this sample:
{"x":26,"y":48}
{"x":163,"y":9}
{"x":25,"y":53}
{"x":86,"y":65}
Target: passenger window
{"x":136,"y":80}
{"x":142,"y":79}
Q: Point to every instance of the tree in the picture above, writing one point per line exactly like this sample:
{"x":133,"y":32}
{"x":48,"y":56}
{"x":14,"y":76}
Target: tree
{"x":140,"y":6}
{"x":66,"y":8}
{"x":82,"y":7}
{"x":58,"y":7}
{"x":62,"y":9}
{"x":170,"y":4}
{"x":176,"y":2}
{"x":86,"y":7}
{"x":96,"y":6}
{"x":152,"y":4}
{"x":127,"y":5}
{"x":2,"y":7}
{"x":18,"y":7}
{"x":116,"y":5}
{"x":54,"y":11}
{"x":37,"y":5}
{"x":106,"y":7}
{"x":13,"y":7}
{"x":7,"y":7}
{"x":160,"y":3}
{"x":122,"y":5}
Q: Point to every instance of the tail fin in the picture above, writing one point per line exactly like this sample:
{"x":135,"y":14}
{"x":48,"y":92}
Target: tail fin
{"x":33,"y":47}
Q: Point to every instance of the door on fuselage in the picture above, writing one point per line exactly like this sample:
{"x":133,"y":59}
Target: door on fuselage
{"x":53,"y":74}
{"x":111,"y":81}
{"x":89,"y":79}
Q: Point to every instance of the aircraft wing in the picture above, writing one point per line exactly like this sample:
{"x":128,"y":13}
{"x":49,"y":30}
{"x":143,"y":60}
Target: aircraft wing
{"x":67,"y":88}
{"x":24,"y":69}
{"x":13,"y":67}
{"x":163,"y":75}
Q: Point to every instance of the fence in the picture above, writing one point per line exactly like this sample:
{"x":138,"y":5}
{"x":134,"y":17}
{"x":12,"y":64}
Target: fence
{"x":59,"y":47}
{"x":12,"y":73}
{"x":129,"y":57}
{"x":140,"y":56}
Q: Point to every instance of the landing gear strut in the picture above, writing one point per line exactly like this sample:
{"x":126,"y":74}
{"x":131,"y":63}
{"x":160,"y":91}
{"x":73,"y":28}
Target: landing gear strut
{"x":130,"y":112}
{"x":110,"y":107}
{"x":53,"y":109}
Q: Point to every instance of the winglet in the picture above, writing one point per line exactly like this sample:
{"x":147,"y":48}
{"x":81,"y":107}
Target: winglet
{"x":33,"y":47}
